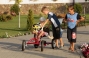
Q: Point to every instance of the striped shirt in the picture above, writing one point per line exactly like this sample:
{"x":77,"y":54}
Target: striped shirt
{"x":54,"y":20}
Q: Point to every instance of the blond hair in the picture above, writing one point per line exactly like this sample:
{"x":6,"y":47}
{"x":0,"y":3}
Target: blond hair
{"x":43,"y":8}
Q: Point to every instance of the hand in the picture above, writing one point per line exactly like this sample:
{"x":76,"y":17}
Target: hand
{"x":77,"y":22}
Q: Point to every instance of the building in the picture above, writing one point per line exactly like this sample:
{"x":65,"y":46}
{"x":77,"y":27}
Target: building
{"x":41,"y":1}
{"x":36,"y":5}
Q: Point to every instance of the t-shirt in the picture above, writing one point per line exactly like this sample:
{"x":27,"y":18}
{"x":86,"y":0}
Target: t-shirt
{"x":72,"y":19}
{"x":54,"y":20}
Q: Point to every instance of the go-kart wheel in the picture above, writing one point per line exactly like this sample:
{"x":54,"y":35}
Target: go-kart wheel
{"x":53,"y":43}
{"x":42,"y":45}
{"x":36,"y":45}
{"x":23,"y":45}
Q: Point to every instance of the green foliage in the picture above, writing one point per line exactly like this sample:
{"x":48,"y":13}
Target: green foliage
{"x":1,"y":18}
{"x":40,"y":15}
{"x":18,"y":1}
{"x":5,"y":17}
{"x":9,"y":17}
{"x":78,"y":8}
{"x":15,"y":8}
{"x":30,"y":20}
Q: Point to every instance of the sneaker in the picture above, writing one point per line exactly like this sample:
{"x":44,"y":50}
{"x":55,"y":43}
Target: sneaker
{"x":56,"y":47}
{"x":61,"y":47}
{"x":50,"y":37}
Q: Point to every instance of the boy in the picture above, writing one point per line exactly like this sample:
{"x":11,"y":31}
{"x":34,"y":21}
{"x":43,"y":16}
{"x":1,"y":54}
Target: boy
{"x":55,"y":25}
{"x":72,"y":18}
{"x":38,"y":29}
{"x":60,"y":18}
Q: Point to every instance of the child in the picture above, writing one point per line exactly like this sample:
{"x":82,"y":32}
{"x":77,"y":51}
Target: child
{"x":55,"y":24}
{"x":72,"y":18}
{"x":38,"y":29}
{"x":60,"y":18}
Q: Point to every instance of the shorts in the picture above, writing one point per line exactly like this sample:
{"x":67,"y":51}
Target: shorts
{"x":71,"y":34}
{"x":56,"y":33}
{"x":60,"y":34}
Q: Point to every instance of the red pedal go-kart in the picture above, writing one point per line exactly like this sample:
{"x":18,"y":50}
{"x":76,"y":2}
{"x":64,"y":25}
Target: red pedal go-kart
{"x":38,"y":42}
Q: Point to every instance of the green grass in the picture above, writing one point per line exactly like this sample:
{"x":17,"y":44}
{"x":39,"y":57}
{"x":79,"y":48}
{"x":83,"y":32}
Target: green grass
{"x":12,"y":28}
{"x":87,"y":19}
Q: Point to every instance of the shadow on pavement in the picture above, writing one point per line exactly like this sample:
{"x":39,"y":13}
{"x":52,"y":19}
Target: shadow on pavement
{"x":44,"y":55}
{"x":83,"y":32}
{"x":10,"y":46}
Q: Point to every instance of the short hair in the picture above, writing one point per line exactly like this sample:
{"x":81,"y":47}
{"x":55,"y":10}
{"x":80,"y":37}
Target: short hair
{"x":71,"y":6}
{"x":43,"y":8}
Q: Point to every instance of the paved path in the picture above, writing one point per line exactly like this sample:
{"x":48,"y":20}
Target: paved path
{"x":11,"y":48}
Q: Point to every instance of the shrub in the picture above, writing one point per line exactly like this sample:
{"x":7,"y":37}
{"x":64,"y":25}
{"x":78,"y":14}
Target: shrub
{"x":5,"y":18}
{"x":15,"y":8}
{"x":9,"y":17}
{"x":0,"y":17}
{"x":30,"y":20}
{"x":78,"y":8}
{"x":6,"y":12}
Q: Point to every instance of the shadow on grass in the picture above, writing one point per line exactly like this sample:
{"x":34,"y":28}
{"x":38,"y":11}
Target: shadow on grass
{"x":13,"y":29}
{"x":36,"y":17}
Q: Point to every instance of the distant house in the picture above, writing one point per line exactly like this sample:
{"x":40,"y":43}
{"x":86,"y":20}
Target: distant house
{"x":41,"y":1}
{"x":36,"y":5}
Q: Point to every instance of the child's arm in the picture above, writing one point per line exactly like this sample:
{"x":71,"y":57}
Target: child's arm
{"x":46,"y":21}
{"x":43,"y":26}
{"x":47,"y":26}
{"x":65,"y":19}
{"x":40,"y":34}
{"x":80,"y":19}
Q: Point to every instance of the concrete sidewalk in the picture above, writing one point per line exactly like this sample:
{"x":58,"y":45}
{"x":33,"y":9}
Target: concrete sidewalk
{"x":11,"y":48}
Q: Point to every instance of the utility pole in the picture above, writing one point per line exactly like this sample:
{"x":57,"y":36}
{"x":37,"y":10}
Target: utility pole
{"x":73,"y":2}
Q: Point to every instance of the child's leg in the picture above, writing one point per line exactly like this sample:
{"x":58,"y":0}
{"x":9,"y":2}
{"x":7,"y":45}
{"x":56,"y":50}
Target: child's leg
{"x":41,"y":33}
{"x":73,"y":46}
{"x":56,"y":42}
{"x":73,"y":38}
{"x":70,"y":48}
{"x":61,"y":42}
{"x":50,"y":37}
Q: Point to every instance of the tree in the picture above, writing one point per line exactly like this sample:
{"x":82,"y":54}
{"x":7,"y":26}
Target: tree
{"x":17,"y":1}
{"x":15,"y":8}
{"x":78,"y":8}
{"x":30,"y":20}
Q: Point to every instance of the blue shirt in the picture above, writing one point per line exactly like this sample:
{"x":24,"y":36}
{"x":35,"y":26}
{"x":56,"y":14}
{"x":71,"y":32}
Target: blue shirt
{"x":72,"y":19}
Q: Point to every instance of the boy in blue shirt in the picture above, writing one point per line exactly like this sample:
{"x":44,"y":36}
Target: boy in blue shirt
{"x":72,"y":18}
{"x":53,"y":19}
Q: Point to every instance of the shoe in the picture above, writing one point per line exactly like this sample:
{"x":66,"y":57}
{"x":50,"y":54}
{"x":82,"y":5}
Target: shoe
{"x":61,"y":47}
{"x":56,"y":47}
{"x":50,"y":37}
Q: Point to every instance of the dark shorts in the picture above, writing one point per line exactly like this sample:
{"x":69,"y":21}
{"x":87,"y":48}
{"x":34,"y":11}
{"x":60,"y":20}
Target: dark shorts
{"x":56,"y":33}
{"x":71,"y":34}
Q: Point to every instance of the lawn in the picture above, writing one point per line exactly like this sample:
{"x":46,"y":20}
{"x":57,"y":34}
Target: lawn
{"x":11,"y":27}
